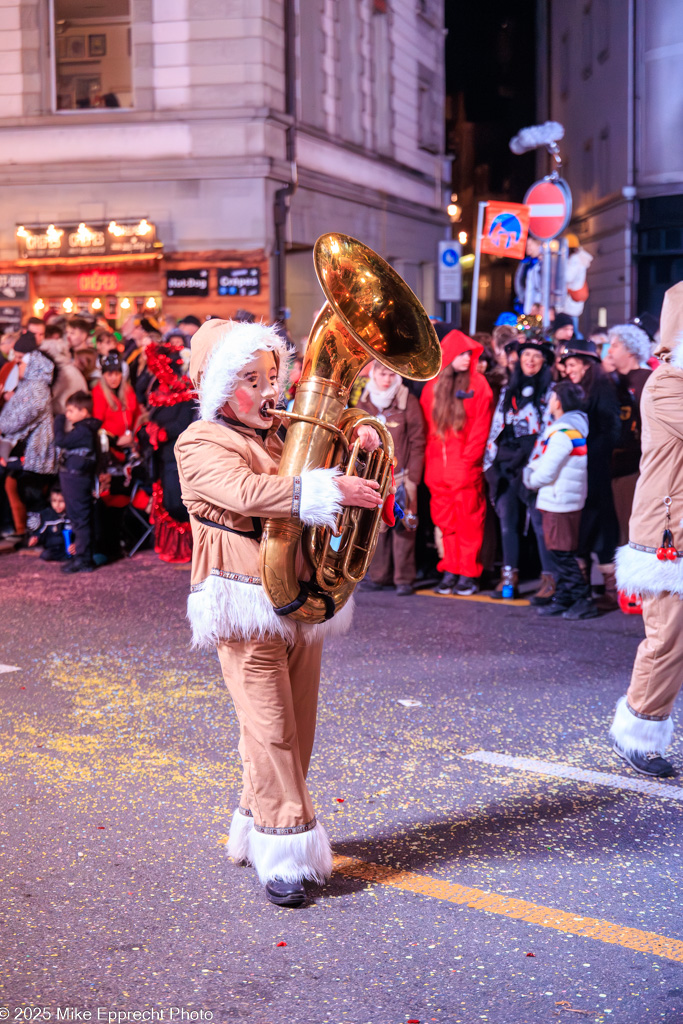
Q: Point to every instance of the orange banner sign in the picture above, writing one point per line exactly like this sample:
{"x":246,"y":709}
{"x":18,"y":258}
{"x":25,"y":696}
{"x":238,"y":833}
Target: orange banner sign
{"x":505,"y":230}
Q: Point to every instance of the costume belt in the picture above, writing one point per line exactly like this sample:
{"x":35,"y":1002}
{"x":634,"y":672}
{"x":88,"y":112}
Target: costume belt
{"x":254,"y":534}
{"x":650,"y":551}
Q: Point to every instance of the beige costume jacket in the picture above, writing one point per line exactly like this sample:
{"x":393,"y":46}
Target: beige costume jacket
{"x":639,"y":571}
{"x":229,"y":482}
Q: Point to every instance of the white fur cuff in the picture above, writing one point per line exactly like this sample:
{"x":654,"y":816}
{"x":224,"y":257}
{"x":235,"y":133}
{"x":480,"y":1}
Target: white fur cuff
{"x":320,"y":497}
{"x":640,"y":735}
{"x":641,"y":573}
{"x":241,"y":827}
{"x":292,"y":858}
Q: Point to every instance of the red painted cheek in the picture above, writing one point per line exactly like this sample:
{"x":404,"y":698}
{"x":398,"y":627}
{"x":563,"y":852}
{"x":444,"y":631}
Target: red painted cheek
{"x":244,"y":399}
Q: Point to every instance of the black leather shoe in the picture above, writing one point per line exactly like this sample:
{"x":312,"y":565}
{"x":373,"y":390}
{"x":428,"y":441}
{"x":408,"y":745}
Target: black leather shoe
{"x":651,"y":764}
{"x":285,"y":894}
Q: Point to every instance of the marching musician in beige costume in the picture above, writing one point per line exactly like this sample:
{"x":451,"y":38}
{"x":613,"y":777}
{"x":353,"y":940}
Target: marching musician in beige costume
{"x":228,"y":463}
{"x":642,"y":728}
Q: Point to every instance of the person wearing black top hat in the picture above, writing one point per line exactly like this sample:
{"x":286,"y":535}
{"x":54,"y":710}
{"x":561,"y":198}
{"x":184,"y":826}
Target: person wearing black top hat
{"x":599,"y":531}
{"x":521,"y":416}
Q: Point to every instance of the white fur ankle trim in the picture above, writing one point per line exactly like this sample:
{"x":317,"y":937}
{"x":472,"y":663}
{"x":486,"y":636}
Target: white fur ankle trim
{"x":241,"y":827}
{"x":291,"y":858}
{"x":640,"y":735}
{"x":320,"y":497}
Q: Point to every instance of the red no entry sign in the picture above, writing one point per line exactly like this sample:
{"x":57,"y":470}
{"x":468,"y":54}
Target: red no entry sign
{"x":550,"y":208}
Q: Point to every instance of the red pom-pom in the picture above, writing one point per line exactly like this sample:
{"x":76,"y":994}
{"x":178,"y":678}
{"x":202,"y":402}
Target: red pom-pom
{"x":671,"y":554}
{"x":388,"y":510}
{"x":661,"y":554}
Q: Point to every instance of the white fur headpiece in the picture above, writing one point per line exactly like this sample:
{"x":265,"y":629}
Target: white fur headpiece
{"x":234,"y":347}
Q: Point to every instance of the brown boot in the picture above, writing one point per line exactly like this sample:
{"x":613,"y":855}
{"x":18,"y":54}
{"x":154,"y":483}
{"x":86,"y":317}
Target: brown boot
{"x":609,"y":601}
{"x":509,"y":577}
{"x":545,"y":592}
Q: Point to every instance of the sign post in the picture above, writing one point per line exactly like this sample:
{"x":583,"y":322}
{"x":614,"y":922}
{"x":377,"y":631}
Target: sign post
{"x":450,"y":272}
{"x":477,"y":264}
{"x":550,"y":210}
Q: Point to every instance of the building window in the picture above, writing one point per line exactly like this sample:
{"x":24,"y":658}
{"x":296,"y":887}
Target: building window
{"x":429,"y":123}
{"x":604,"y":176}
{"x":587,"y":41}
{"x":431,"y":11}
{"x":311,"y":63}
{"x":92,"y":54}
{"x":601,"y":30}
{"x":565,"y":66}
{"x":382,"y":81}
{"x":587,"y":171}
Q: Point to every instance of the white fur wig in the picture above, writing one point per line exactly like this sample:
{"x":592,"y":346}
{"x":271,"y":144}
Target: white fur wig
{"x":232,"y":347}
{"x":640,"y":735}
{"x":634,"y":340}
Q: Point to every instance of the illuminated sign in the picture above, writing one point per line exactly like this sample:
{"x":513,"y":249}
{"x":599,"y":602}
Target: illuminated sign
{"x":97,"y":282}
{"x":239,"y":281}
{"x":187,"y":282}
{"x":112,"y":239}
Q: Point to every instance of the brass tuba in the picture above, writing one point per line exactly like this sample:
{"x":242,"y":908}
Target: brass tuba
{"x":370,"y":313}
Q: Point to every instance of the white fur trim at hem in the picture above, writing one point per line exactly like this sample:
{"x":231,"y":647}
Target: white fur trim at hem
{"x":241,"y":827}
{"x":320,"y":497}
{"x":640,"y":735}
{"x":292,"y":858}
{"x":229,"y":355}
{"x":640,"y":573}
{"x":226,"y":609}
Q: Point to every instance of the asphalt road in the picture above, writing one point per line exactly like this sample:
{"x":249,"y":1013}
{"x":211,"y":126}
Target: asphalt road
{"x":467,"y":890}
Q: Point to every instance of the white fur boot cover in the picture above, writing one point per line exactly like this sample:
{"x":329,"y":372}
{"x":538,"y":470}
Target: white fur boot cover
{"x":291,"y":858}
{"x":241,"y":827}
{"x":640,"y":735}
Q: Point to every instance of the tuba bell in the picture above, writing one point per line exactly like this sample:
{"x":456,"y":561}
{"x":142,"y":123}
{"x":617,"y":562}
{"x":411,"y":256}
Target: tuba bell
{"x":370,"y":313}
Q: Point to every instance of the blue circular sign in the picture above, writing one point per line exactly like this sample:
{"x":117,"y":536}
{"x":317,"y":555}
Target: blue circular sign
{"x":450,"y":257}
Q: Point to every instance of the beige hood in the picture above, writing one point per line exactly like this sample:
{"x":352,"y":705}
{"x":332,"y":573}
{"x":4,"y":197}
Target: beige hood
{"x":220,"y":349}
{"x":671,"y":326}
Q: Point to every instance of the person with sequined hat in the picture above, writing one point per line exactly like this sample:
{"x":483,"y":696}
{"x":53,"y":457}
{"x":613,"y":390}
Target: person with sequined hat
{"x":650,"y":566}
{"x":228,"y":462}
{"x":599,"y":531}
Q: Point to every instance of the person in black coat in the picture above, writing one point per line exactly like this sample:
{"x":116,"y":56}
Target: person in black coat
{"x":78,"y":451}
{"x":599,"y":531}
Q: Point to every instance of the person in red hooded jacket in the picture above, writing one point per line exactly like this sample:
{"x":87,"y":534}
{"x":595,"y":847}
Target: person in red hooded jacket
{"x":458,"y":406}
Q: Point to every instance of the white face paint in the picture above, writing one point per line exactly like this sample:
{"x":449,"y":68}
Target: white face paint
{"x":253,"y":400}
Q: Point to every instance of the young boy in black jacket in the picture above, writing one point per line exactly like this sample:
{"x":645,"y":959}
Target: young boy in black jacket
{"x":77,"y":464}
{"x":48,"y":527}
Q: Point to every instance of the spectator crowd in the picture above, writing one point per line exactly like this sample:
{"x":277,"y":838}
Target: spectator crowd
{"x":519,"y":460}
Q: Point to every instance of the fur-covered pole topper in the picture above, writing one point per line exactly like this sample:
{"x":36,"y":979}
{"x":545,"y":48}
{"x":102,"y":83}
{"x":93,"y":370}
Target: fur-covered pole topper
{"x":547,"y":134}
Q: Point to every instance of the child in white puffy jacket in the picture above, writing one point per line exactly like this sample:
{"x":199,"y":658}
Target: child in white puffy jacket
{"x":559,"y":473}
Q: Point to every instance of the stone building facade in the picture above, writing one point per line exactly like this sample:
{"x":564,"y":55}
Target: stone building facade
{"x":238,"y":131}
{"x":611,"y":73}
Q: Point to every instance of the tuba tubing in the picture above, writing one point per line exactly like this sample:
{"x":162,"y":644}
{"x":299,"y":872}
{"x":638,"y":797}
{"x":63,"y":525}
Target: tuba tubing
{"x":370,"y":313}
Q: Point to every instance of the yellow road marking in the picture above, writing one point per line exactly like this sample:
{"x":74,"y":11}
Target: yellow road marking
{"x":519,"y":602}
{"x":521,"y":910}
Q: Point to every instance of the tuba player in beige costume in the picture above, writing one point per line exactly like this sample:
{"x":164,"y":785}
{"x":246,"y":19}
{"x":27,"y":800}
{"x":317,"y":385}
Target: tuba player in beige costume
{"x":642,"y":728}
{"x":228,"y":463}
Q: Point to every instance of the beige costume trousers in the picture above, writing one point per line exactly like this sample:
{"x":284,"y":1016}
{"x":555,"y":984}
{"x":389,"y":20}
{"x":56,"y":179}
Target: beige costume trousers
{"x":658,"y":668}
{"x":274,"y":686}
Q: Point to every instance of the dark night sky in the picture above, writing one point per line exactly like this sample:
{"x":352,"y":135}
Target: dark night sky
{"x":490,"y":58}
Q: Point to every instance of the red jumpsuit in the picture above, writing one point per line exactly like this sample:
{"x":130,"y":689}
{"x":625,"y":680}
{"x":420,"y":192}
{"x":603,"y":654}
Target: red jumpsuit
{"x":453,"y":466}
